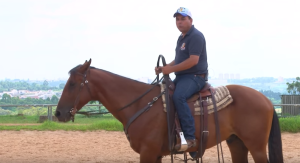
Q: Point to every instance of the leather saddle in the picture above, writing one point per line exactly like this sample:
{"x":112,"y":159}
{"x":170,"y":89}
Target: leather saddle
{"x":174,"y":129}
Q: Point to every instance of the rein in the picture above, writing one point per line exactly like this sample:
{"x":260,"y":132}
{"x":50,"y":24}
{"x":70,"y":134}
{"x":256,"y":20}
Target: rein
{"x":154,"y":85}
{"x":74,"y":110}
{"x":147,"y":107}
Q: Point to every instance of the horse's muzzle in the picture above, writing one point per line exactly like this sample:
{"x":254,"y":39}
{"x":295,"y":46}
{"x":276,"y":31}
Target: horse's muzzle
{"x":57,"y":114}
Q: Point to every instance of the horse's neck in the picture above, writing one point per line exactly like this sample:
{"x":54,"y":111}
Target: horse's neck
{"x":114,"y":92}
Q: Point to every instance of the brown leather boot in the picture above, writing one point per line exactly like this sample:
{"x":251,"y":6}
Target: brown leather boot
{"x":190,"y":143}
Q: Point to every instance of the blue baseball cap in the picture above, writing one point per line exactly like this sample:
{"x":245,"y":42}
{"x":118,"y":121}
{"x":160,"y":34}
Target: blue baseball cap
{"x":183,"y":11}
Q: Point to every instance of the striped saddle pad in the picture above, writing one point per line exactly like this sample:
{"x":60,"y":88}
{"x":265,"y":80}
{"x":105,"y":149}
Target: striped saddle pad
{"x":222,"y":97}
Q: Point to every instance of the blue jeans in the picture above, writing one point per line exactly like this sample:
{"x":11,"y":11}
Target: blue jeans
{"x":186,"y":85}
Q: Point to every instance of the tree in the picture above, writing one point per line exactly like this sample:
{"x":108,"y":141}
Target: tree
{"x":8,"y":85}
{"x":94,"y":102}
{"x":28,"y":100}
{"x":62,"y":85}
{"x":54,"y":99}
{"x":271,"y":94}
{"x":15,"y":100}
{"x":6,"y":98}
{"x":294,"y":87}
{"x":45,"y":83}
{"x":5,"y":112}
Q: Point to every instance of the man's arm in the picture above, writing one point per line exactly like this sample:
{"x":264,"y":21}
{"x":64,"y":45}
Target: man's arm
{"x":172,"y":63}
{"x":159,"y":69}
{"x":188,"y":63}
{"x":195,"y":48}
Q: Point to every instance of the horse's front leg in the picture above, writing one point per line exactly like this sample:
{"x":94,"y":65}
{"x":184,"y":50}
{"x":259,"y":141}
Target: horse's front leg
{"x":150,"y":155}
{"x":159,"y":159}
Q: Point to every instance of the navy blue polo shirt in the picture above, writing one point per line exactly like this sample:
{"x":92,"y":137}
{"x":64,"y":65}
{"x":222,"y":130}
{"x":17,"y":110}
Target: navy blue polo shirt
{"x":193,"y":43}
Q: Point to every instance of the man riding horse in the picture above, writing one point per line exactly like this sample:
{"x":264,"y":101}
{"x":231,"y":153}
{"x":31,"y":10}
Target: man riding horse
{"x":248,"y":124}
{"x":190,"y":67}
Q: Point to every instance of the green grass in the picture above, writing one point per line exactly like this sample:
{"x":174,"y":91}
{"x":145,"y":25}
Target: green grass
{"x":291,"y":124}
{"x":18,"y":119}
{"x":109,"y":123}
{"x":101,"y":124}
{"x":79,"y":119}
{"x":81,"y":123}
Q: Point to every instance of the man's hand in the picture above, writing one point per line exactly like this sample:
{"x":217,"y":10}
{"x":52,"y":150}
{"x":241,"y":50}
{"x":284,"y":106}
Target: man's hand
{"x":167,"y":69}
{"x":158,"y":70}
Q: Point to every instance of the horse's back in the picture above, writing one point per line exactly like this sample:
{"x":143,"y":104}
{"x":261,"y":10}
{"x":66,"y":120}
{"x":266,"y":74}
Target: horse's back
{"x":245,"y":98}
{"x":251,"y":112}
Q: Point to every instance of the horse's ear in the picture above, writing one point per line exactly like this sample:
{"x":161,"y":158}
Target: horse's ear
{"x":85,"y":66}
{"x":90,"y":61}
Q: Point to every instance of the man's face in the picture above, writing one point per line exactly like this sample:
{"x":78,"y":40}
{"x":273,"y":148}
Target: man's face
{"x":183,"y":23}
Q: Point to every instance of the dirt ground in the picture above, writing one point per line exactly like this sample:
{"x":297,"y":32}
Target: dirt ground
{"x":98,"y":147}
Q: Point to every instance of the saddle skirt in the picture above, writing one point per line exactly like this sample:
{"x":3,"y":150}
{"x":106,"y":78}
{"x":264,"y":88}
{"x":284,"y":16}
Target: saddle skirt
{"x":222,"y":96}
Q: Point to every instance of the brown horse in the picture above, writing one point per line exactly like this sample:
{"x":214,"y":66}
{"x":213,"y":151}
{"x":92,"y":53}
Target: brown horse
{"x":249,"y":123}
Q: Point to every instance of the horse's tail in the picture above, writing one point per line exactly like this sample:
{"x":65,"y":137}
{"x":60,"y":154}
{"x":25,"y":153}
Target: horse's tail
{"x":275,"y":143}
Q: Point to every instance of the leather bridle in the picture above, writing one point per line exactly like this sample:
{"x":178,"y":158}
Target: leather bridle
{"x":83,"y":82}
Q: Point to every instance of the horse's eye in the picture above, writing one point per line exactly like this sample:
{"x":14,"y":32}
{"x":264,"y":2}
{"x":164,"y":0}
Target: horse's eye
{"x":72,"y":84}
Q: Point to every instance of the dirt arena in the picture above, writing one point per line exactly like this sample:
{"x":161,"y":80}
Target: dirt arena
{"x":98,"y":147}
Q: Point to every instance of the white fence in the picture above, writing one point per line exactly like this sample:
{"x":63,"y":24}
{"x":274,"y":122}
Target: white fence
{"x":49,"y":106}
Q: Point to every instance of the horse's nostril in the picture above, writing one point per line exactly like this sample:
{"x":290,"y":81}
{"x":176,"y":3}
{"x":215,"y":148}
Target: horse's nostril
{"x":57,"y":113}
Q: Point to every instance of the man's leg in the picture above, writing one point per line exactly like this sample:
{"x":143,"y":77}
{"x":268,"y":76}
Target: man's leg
{"x":186,"y":86}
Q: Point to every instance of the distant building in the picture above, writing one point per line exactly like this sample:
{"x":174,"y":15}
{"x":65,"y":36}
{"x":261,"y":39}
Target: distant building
{"x":217,"y":82}
{"x":232,"y":76}
{"x":30,"y":96}
{"x":226,"y":76}
{"x":221,"y":76}
{"x":36,"y":97}
{"x":22,"y":92}
{"x":280,"y":80}
{"x":11,"y":93}
{"x":144,"y":79}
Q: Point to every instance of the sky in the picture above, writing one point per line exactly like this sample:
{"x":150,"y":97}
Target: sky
{"x":44,"y":39}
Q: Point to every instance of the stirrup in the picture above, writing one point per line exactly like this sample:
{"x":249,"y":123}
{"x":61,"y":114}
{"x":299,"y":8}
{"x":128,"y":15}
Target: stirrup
{"x":183,"y":143}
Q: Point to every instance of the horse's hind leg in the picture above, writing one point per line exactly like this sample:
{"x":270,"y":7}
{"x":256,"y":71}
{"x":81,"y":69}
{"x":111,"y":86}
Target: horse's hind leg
{"x":259,"y":155}
{"x":257,"y":147}
{"x":238,"y":150}
{"x":257,"y":144}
